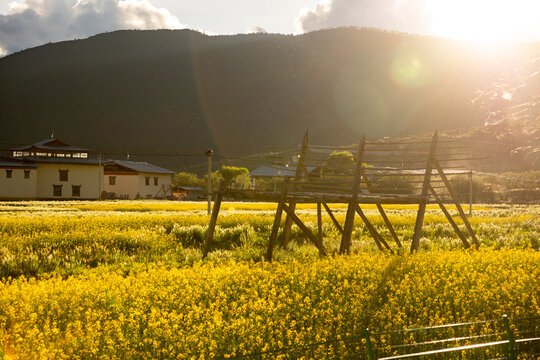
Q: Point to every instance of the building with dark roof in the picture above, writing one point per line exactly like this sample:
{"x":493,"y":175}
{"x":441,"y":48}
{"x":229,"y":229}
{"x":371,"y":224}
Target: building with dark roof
{"x":51,"y":149}
{"x":137,"y":180}
{"x":278,"y":172}
{"x":62,"y":171}
{"x":53,"y":169}
{"x":190,"y":193}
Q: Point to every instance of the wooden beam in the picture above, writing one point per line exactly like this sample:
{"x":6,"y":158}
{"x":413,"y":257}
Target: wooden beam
{"x":381,"y":211}
{"x":422,"y":205}
{"x":213,"y":221}
{"x":450,"y":219}
{"x":277,"y":221}
{"x":374,"y":233}
{"x":389,"y":226}
{"x":346,"y":240}
{"x":334,"y":220}
{"x":285,"y":237}
{"x":456,"y":202}
{"x":298,"y":174}
{"x":305,"y":230}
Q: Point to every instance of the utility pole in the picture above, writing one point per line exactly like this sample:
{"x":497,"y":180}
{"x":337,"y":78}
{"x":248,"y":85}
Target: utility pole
{"x":209,"y":155}
{"x":470,"y":193}
{"x":99,"y":177}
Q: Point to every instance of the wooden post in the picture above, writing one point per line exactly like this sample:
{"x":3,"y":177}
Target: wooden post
{"x":347,"y":230}
{"x":305,"y":230}
{"x":100,"y":176}
{"x":319,"y":222}
{"x":349,"y":219}
{"x":213,"y":221}
{"x":422,"y":205}
{"x":456,"y":202}
{"x":470,"y":193}
{"x":449,"y":217}
{"x":297,"y":176}
{"x":209,"y":182}
{"x":277,"y":220}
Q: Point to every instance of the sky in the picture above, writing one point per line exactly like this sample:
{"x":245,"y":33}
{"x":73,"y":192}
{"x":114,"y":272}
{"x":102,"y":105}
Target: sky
{"x":29,"y":23}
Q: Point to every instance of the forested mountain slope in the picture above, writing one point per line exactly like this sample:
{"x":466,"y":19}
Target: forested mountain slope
{"x":181,"y":91}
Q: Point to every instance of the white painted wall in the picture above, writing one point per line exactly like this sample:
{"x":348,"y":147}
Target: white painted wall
{"x":124,"y":185}
{"x":88,"y":176}
{"x":17,"y":187}
{"x":150,"y":191}
{"x":133,"y":185}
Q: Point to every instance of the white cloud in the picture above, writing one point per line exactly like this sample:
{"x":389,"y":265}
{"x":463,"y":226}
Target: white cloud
{"x":399,"y":15}
{"x":34,"y":22}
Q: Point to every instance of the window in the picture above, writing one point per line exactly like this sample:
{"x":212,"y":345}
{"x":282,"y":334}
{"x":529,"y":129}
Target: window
{"x":112,"y":180}
{"x":63,"y":175}
{"x":57,"y":190}
{"x":75,"y":190}
{"x":9,"y":173}
{"x":27,"y":174}
{"x":156,"y":181}
{"x":147,"y":180}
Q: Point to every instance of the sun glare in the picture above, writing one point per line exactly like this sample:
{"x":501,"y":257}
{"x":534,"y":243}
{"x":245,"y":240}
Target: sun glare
{"x":486,"y":20}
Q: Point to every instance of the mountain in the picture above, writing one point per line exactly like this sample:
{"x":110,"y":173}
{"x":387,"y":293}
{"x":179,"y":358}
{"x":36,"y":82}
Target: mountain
{"x":182,"y":92}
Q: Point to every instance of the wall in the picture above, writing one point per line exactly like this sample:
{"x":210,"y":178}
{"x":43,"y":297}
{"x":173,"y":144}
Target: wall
{"x":125,"y":185}
{"x":150,"y":191}
{"x":17,"y":187}
{"x":88,"y":176}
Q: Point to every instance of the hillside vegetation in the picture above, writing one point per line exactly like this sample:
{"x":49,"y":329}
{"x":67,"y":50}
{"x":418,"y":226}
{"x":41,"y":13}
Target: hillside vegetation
{"x":181,"y":91}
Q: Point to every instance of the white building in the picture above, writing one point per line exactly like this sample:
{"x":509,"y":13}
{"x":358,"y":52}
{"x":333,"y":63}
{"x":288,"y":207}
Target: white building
{"x":18,"y":179}
{"x":137,"y":180}
{"x":52,"y":169}
{"x":61,"y":172}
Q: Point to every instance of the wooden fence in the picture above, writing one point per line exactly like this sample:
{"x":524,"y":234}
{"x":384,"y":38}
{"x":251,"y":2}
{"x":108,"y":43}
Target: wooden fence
{"x":379,"y":172}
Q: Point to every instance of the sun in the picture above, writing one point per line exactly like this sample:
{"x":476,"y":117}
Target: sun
{"x":486,"y":20}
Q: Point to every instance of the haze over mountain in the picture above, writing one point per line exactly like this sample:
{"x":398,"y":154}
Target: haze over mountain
{"x":180,"y":91}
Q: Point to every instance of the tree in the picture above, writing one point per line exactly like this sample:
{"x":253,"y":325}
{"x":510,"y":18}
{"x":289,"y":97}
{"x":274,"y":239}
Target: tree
{"x":187,"y":179}
{"x":242,"y":181}
{"x":338,"y":163}
{"x":215,"y":179}
{"x":230,"y":173}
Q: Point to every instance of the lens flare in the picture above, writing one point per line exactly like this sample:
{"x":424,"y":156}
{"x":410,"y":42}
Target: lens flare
{"x":410,"y":69}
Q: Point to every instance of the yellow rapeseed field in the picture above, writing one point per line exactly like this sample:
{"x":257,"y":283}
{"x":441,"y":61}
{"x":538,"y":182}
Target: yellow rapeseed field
{"x":124,"y":280}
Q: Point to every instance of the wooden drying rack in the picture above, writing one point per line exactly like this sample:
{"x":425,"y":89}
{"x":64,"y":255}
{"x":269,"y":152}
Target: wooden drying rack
{"x":369,"y":178}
